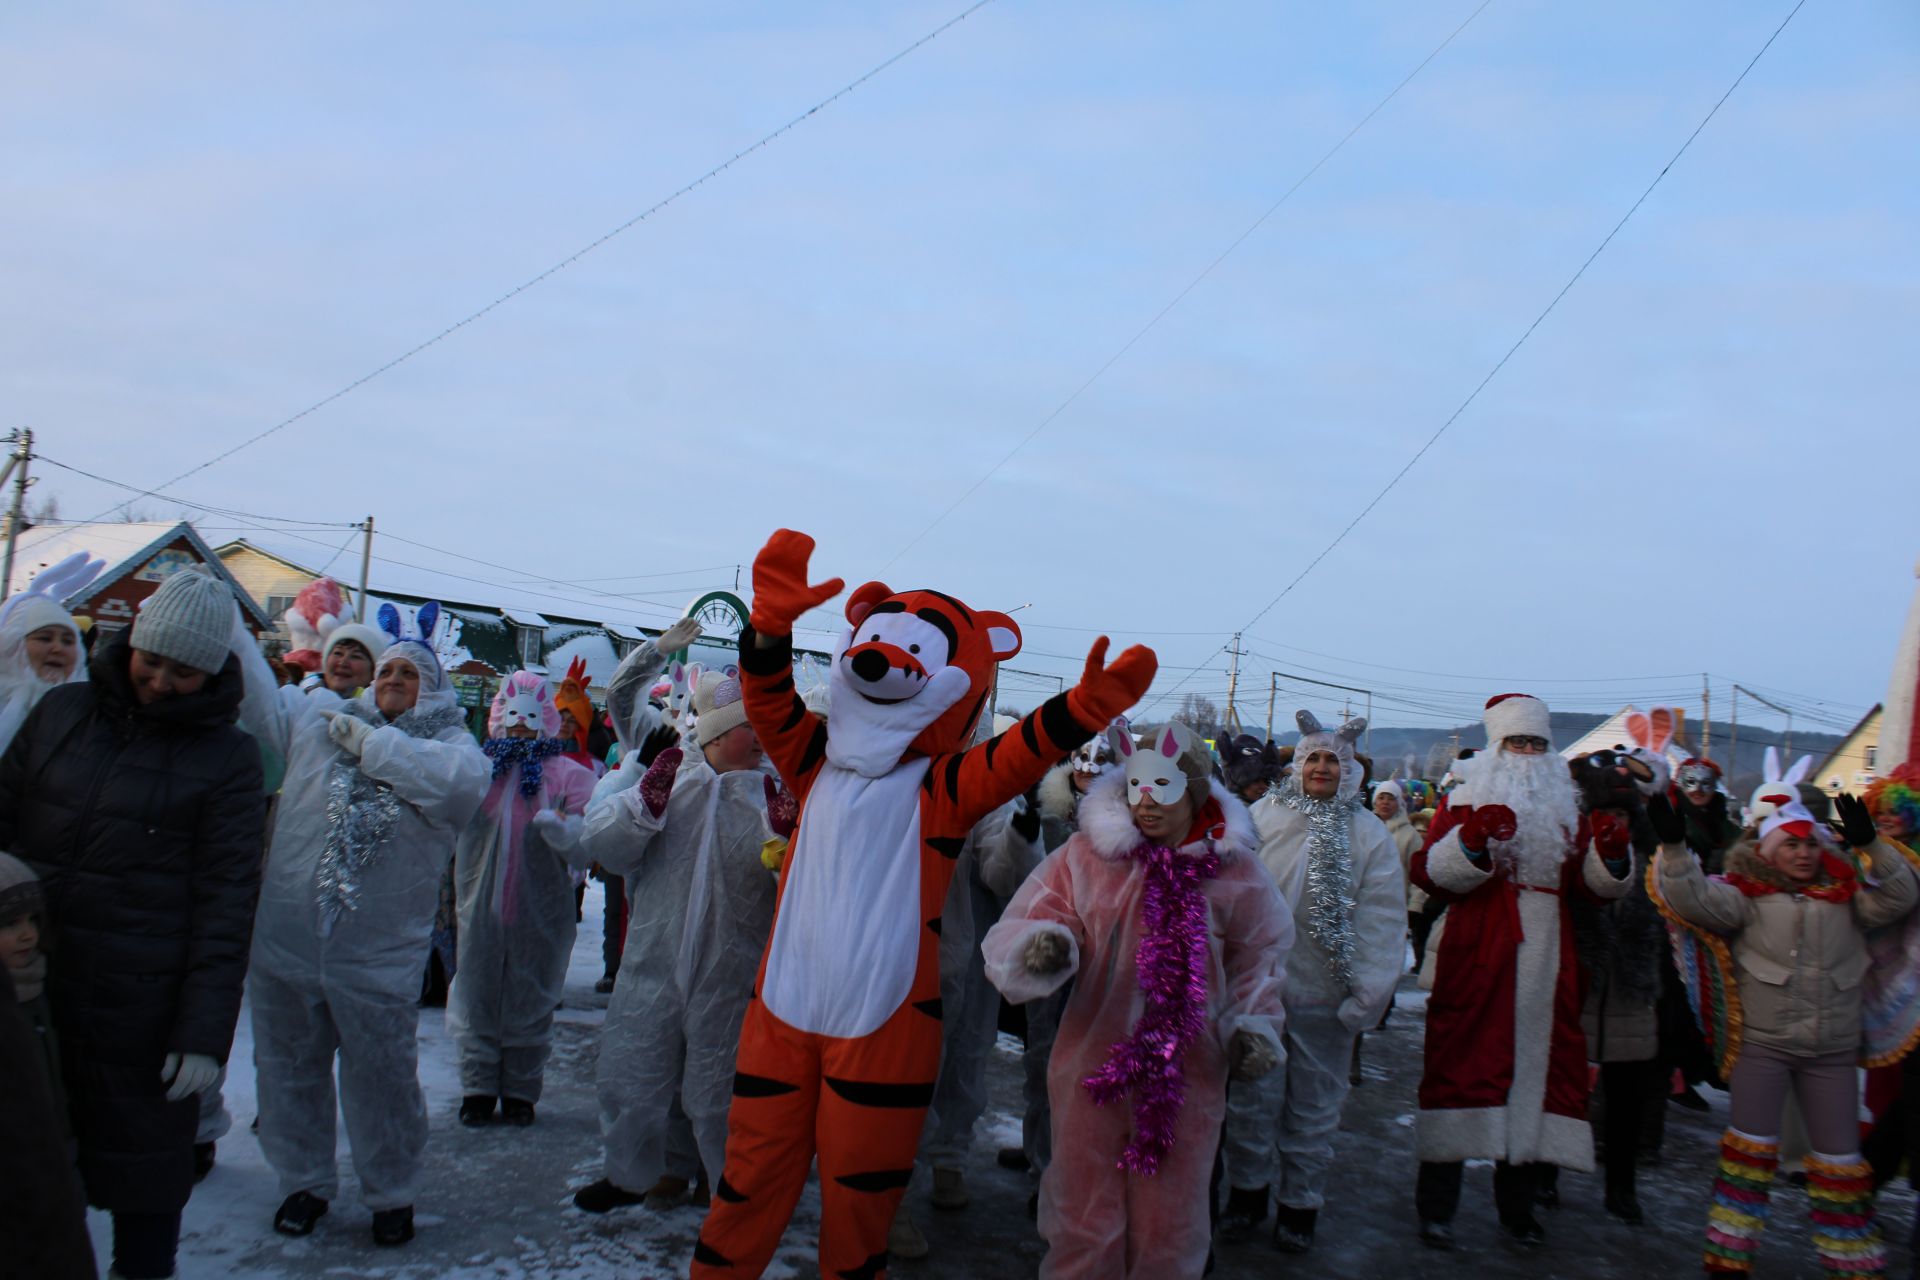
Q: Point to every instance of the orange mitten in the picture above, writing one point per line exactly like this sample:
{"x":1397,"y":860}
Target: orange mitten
{"x":780,"y":590}
{"x":1106,"y":691}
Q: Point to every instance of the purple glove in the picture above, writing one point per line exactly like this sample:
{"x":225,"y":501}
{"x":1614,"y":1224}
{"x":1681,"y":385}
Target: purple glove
{"x":656,"y":787}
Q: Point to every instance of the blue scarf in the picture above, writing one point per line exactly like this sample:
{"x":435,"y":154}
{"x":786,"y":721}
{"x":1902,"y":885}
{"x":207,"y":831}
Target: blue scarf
{"x":529,"y":753}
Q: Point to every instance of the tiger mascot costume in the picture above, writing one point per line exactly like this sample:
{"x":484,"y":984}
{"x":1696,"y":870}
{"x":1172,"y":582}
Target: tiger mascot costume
{"x":841,"y":1041}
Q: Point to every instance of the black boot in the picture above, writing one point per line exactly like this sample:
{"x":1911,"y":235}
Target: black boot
{"x":1354,"y":1077}
{"x":603,"y":1197}
{"x":393,"y":1226}
{"x":1014,"y":1158}
{"x":476,"y":1110}
{"x":1546,"y":1186}
{"x":298,"y":1213}
{"x":517,"y":1112}
{"x":202,"y":1160}
{"x":1293,"y":1229}
{"x":1246,"y":1209}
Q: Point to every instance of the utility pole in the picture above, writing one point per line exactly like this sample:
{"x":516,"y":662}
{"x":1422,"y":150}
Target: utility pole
{"x":1273,"y":691}
{"x":1706,"y":716}
{"x":366,"y":566}
{"x":1233,"y":681}
{"x":1733,"y":755}
{"x":17,"y":468}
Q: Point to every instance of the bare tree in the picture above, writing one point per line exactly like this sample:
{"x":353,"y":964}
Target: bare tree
{"x":45,"y":511}
{"x":134,"y":513}
{"x":1202,"y":715}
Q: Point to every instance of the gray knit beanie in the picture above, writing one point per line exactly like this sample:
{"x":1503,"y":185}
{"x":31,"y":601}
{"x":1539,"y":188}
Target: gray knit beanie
{"x":189,"y":619}
{"x":19,"y":889}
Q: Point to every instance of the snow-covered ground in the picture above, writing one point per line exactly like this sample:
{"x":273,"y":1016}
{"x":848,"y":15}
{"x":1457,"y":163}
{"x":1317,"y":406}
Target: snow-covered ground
{"x":495,"y":1203}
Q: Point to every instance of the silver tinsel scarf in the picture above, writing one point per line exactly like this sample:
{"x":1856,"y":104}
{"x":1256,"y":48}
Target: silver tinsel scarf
{"x":1330,"y":899}
{"x":361,"y":813}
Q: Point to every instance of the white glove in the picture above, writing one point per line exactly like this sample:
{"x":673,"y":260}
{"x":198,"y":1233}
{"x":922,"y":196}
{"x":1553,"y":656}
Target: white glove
{"x":549,"y":824}
{"x":349,"y":733}
{"x":1045,"y":953}
{"x":1352,"y":1014}
{"x":678,"y":636}
{"x":1250,"y":1056}
{"x":186,"y":1074}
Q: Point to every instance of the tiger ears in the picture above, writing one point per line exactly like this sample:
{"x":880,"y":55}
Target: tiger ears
{"x":1003,"y":635}
{"x":864,"y":597}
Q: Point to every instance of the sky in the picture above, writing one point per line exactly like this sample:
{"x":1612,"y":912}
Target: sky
{"x":1700,"y":463}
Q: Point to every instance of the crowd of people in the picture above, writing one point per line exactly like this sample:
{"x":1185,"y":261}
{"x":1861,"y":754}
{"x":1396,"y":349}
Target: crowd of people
{"x":819,"y":898}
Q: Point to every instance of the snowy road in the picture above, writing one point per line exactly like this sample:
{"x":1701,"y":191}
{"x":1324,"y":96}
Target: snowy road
{"x":495,"y":1203}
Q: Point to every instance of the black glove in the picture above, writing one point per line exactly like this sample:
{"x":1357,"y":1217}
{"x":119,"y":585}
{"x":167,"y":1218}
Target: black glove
{"x":1667,"y":822}
{"x":654,"y":743}
{"x":1026,"y":820}
{"x":1856,"y":820}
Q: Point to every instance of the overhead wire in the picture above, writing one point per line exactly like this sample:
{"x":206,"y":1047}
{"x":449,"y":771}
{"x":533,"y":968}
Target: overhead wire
{"x":1519,"y":342}
{"x":1179,"y":297}
{"x":540,"y":278}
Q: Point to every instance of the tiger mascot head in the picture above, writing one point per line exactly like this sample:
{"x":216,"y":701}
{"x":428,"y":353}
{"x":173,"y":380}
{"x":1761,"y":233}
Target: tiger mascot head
{"x":911,"y":674}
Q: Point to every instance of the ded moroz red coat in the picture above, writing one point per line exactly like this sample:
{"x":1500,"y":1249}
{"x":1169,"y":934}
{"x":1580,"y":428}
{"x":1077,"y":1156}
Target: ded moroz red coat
{"x":1506,"y":1061}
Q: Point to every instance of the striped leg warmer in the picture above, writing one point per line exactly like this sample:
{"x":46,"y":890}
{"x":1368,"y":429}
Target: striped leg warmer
{"x":1739,"y":1212}
{"x":1844,"y":1233}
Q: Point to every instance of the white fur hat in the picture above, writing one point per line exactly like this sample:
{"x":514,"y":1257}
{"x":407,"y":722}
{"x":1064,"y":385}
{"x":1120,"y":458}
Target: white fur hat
{"x":1516,"y":715}
{"x":375,"y":642}
{"x":717,"y":706}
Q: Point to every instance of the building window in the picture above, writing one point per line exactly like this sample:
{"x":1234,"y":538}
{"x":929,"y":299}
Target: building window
{"x":277,"y":607}
{"x":1873,"y":759}
{"x":529,"y":644}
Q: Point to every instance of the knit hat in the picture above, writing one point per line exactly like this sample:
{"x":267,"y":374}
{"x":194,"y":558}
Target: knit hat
{"x":19,"y":889}
{"x":189,"y":619}
{"x":373,"y":640}
{"x":717,"y":706}
{"x":1511,"y":715}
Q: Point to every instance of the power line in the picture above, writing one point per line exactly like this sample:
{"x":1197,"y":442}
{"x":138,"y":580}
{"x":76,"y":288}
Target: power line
{"x":1434,"y":439}
{"x":1180,"y":297}
{"x":160,"y":496}
{"x":577,"y":254}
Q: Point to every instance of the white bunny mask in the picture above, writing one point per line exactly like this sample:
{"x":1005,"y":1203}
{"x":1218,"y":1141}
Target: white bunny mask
{"x":1153,"y":770}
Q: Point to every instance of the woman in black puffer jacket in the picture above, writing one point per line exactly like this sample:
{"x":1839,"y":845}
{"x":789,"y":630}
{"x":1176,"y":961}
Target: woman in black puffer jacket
{"x":139,"y":804}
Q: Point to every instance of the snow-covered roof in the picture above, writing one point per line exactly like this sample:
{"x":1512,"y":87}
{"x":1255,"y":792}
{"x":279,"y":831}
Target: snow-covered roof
{"x":595,"y":648}
{"x":524,"y":617}
{"x":125,"y":548}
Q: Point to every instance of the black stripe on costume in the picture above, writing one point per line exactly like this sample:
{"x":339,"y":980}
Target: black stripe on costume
{"x":796,"y":712}
{"x":932,"y":1008}
{"x":708,"y":1256}
{"x":881,"y":1093}
{"x":877,"y":1180}
{"x":948,"y":846}
{"x":756,"y":661}
{"x":816,"y":749}
{"x":943,"y":624}
{"x":749,"y":1086}
{"x":959,"y":608}
{"x":993,"y":745}
{"x":1058,"y":721}
{"x":950,"y":776}
{"x":725,"y":1190}
{"x":783,"y":684}
{"x":934,"y":924}
{"x":868,"y":1270}
{"x":1030,"y":735}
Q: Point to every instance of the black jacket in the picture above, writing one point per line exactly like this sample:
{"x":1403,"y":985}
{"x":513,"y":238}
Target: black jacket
{"x":43,"y":1221}
{"x":145,"y":826}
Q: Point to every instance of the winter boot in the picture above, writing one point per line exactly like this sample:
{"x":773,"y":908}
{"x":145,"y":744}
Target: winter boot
{"x":517,"y":1112}
{"x":604,"y":986}
{"x":702,"y":1197}
{"x":1354,"y":1076}
{"x":202,"y":1160}
{"x":669,"y":1191}
{"x":1739,"y":1212}
{"x":298,"y":1213}
{"x":1014,"y":1158}
{"x":1844,"y":1233}
{"x":903,"y":1237}
{"x":949,"y":1189}
{"x":476,"y":1110}
{"x":1246,"y":1209}
{"x":603,"y":1196}
{"x":1293,"y":1229}
{"x":393,"y":1226}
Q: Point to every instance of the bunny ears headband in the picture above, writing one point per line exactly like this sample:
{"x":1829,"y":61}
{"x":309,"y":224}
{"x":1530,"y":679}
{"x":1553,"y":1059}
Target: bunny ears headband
{"x":1776,"y":801}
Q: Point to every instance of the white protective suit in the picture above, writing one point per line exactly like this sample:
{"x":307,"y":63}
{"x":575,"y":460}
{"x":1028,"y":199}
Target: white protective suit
{"x":1099,"y":1221}
{"x":700,"y":904}
{"x":25,"y":612}
{"x":513,"y":884}
{"x":993,"y":862}
{"x":346,"y":906}
{"x":1283,"y":1124}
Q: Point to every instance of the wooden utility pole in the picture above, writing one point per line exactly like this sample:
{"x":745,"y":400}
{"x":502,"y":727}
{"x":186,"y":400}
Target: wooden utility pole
{"x":366,"y":566}
{"x":17,"y":468}
{"x":1273,"y":691}
{"x":1233,"y":684}
{"x":1706,"y":716}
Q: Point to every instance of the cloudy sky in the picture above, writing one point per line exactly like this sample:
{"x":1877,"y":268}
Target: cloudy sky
{"x":214,"y":216}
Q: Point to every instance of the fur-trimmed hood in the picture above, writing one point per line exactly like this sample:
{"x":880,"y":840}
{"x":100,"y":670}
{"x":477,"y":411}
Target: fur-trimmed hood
{"x":1108,"y":825}
{"x":1057,"y":795}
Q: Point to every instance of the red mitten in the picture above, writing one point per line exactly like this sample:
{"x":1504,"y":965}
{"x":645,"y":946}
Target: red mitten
{"x":783,"y":811}
{"x":1486,"y":822}
{"x":1106,"y":691}
{"x":656,"y":785}
{"x":780,"y":590}
{"x":1611,"y":835}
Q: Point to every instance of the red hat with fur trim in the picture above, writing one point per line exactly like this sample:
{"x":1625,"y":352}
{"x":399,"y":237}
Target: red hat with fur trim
{"x":1511,"y":715}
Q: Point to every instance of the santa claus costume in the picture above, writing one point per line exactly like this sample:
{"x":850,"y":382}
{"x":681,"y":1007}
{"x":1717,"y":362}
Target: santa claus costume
{"x":1506,"y":1061}
{"x":1177,"y":944}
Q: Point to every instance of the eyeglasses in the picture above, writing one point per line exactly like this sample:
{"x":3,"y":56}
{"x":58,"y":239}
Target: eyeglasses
{"x":1525,"y":744}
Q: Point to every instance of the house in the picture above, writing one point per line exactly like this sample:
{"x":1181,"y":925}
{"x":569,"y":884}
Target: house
{"x":1613,"y":732}
{"x":140,"y":556}
{"x":1855,"y":762}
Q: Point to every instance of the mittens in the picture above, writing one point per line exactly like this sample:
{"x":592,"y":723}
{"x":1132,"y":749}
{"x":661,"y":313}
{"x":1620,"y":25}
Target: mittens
{"x":1486,"y":822}
{"x":780,"y":589}
{"x":1045,"y":953}
{"x":1106,"y":691}
{"x":783,"y":810}
{"x":186,"y":1074}
{"x":656,"y":786}
{"x":1611,"y":836}
{"x":349,"y":733}
{"x":1250,"y":1056}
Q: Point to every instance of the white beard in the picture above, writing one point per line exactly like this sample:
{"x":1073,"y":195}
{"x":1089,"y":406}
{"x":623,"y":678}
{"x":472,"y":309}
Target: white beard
{"x":1539,"y":790}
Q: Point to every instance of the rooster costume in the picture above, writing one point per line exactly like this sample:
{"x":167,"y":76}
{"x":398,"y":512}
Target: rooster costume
{"x":841,"y":1042}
